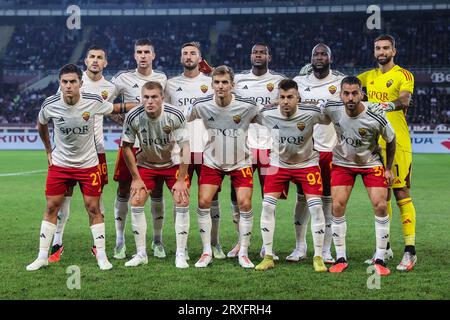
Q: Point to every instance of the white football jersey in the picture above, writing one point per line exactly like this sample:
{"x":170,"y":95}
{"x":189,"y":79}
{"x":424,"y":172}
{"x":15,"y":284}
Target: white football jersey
{"x":73,"y":128}
{"x":182,"y":92}
{"x":129,"y":83}
{"x":157,"y":137}
{"x":227,"y":127}
{"x":263,"y":90}
{"x":106,"y":90}
{"x":292,"y":137}
{"x":313,"y":91}
{"x":357,"y":137}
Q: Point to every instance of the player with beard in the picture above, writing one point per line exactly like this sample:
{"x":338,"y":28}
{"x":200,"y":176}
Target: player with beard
{"x":392,"y":83}
{"x":182,"y":91}
{"x":318,"y":85}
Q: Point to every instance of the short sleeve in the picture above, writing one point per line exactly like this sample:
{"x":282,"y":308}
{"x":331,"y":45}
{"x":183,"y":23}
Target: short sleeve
{"x":387,"y":132}
{"x":105,"y":108}
{"x":128,"y":133}
{"x":407,"y":81}
{"x":43,"y":116}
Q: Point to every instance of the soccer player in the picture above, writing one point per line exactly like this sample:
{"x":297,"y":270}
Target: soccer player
{"x":93,"y":82}
{"x":261,"y":85}
{"x":318,"y":85}
{"x":128,"y":85}
{"x":182,"y":91}
{"x":358,"y":153}
{"x":292,"y":158}
{"x":158,"y":126}
{"x":73,"y":158}
{"x":390,"y":82}
{"x":227,"y":117}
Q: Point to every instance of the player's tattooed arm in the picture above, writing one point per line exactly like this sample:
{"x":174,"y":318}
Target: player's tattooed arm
{"x":45,"y":137}
{"x":404,"y":101}
{"x":180,"y":189}
{"x":122,"y":107}
{"x":117,"y":118}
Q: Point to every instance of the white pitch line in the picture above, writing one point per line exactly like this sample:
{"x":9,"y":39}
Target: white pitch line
{"x":23,"y":173}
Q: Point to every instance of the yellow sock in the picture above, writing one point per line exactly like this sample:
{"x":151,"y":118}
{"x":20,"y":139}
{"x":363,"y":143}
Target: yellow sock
{"x":408,"y":217}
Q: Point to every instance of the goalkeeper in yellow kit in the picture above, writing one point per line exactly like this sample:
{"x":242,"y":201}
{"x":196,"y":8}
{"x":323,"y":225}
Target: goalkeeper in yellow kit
{"x":390,"y":82}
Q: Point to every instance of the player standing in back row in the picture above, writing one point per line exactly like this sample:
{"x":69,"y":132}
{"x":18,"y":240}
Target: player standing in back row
{"x":261,"y":85}
{"x":182,"y":91}
{"x":390,"y":82}
{"x":318,"y":85}
{"x":128,"y":86}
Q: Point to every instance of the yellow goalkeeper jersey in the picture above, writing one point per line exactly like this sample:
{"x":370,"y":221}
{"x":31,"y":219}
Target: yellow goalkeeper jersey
{"x":384,"y":87}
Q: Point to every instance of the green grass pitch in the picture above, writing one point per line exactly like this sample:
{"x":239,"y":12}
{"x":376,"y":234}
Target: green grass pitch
{"x":22,"y":203}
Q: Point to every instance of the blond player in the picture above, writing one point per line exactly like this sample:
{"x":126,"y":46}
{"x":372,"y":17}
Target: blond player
{"x":390,"y":82}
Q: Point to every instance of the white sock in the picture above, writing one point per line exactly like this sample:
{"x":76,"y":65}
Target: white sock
{"x":236,"y":216}
{"x":301,"y":219}
{"x":63,"y":216}
{"x":98,"y":233}
{"x":327,"y":207}
{"x":215,"y":220}
{"x":204,"y":224}
{"x":139,"y":226}
{"x":317,"y":224}
{"x":382,"y":226}
{"x":181,"y":228}
{"x":157,"y":208}
{"x":339,"y":229}
{"x":120,"y":218}
{"x":268,"y":223}
{"x":245,"y":230}
{"x":45,"y":238}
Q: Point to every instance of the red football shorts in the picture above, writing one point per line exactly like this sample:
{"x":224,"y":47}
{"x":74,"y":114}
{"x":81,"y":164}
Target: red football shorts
{"x":345,"y":176}
{"x":309,"y":178}
{"x":103,"y":168}
{"x":241,"y":178}
{"x":154,"y":177}
{"x":60,"y":178}
{"x":121,"y":172}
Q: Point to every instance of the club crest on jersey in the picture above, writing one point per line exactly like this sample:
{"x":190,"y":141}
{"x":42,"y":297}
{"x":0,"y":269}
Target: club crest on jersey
{"x":237,"y":119}
{"x":204,"y":88}
{"x":389,"y":83}
{"x":300,"y":126}
{"x":104,"y":94}
{"x":332,"y":89}
{"x":86,"y":115}
{"x":270,"y":86}
{"x":167,"y":129}
{"x":362,"y":131}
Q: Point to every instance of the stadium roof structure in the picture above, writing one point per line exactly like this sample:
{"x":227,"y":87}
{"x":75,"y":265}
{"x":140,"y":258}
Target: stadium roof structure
{"x":13,"y":9}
